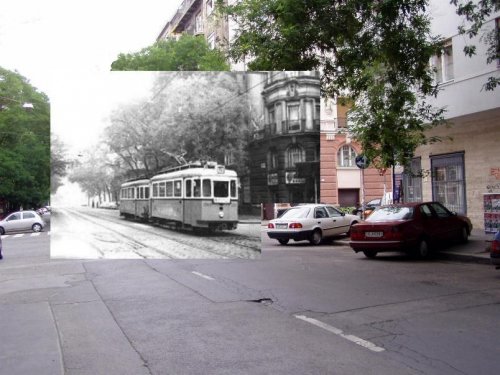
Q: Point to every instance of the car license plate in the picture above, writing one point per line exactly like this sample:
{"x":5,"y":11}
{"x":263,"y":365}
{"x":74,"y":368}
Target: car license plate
{"x":281,"y":226}
{"x":374,"y":234}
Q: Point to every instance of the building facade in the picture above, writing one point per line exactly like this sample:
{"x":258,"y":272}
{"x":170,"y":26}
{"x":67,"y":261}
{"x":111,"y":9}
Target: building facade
{"x":462,"y":171}
{"x":284,"y":152}
{"x":342,"y":182}
{"x":197,"y":17}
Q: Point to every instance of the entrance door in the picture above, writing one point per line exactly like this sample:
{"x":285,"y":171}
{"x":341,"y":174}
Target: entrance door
{"x":348,"y":197}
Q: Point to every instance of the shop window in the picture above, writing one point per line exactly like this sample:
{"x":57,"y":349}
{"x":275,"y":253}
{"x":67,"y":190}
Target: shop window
{"x":448,"y":182}
{"x":412,"y":182}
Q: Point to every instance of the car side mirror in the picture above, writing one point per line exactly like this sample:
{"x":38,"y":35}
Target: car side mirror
{"x":342,"y":214}
{"x":454,"y":213}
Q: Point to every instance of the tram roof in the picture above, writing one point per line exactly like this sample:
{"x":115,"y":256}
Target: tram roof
{"x":194,"y":172}
{"x":143,"y":181}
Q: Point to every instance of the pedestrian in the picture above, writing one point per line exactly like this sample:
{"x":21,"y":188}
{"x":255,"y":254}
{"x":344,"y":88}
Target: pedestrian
{"x":1,"y":256}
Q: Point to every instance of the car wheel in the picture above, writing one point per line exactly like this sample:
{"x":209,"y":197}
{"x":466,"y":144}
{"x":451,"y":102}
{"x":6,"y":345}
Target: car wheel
{"x":283,"y":241}
{"x":464,"y":235}
{"x":370,"y":253}
{"x":36,"y":227}
{"x":316,"y":237}
{"x":2,"y":231}
{"x":423,"y":250}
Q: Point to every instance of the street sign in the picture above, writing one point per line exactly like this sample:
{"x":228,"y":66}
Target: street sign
{"x":362,"y":161}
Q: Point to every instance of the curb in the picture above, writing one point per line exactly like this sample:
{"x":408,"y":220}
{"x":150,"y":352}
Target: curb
{"x":468,"y":258}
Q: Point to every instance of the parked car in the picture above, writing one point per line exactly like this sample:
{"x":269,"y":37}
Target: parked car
{"x":312,"y":222}
{"x":495,"y":250}
{"x":372,"y":205}
{"x":409,"y":227}
{"x":21,"y":220}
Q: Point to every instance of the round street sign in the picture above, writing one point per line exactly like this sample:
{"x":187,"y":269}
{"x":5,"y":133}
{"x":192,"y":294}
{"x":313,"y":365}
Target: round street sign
{"x":362,"y":161}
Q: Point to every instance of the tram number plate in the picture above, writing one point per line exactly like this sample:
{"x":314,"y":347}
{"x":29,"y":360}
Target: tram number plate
{"x":281,"y":226}
{"x":374,"y":234}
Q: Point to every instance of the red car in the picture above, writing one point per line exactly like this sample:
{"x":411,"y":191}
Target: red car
{"x":409,"y":227}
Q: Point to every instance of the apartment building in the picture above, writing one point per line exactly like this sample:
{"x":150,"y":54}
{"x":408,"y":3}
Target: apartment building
{"x":196,"y":17}
{"x":462,"y":171}
{"x":284,"y":152}
{"x":342,"y":182}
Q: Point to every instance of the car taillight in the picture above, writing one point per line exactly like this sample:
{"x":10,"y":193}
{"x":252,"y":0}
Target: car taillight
{"x":295,"y":225}
{"x":495,"y":247}
{"x":270,"y":226}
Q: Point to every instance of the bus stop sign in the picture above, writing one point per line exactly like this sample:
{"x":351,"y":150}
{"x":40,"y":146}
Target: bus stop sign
{"x":362,"y":161}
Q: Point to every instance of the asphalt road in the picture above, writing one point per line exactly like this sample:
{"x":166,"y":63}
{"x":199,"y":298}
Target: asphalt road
{"x":296,"y":310}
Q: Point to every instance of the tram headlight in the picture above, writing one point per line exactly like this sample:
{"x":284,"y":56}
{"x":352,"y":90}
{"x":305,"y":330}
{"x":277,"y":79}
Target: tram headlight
{"x":221,"y":214}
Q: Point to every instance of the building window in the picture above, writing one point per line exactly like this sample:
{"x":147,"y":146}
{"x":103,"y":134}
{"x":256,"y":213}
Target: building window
{"x":293,"y":117}
{"x":448,"y":182}
{"x":199,"y":23}
{"x":294,"y":154}
{"x":211,"y":40}
{"x":443,"y":63}
{"x":346,"y":156}
{"x":272,"y":160}
{"x":412,"y":182}
{"x":210,"y":7}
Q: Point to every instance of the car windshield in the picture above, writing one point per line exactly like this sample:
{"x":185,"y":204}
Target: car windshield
{"x":296,"y":213}
{"x":391,"y":213}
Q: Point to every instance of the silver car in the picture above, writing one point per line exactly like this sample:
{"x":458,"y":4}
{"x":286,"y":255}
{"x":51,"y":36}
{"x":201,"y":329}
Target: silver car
{"x":312,"y":222}
{"x":21,"y":220}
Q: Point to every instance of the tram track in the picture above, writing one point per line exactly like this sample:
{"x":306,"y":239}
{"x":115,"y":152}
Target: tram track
{"x":181,"y":244}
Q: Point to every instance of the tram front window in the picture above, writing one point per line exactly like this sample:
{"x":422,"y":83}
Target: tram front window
{"x":221,"y":189}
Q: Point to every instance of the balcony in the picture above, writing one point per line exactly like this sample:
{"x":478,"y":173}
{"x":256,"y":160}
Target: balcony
{"x":184,"y":14}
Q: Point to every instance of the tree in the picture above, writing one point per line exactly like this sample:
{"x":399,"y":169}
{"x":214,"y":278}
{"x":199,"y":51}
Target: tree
{"x":24,"y":142}
{"x":375,"y":53}
{"x":476,"y":13}
{"x":196,"y":117}
{"x":189,"y":53}
{"x":58,"y":163}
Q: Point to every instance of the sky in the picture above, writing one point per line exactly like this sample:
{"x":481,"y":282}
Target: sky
{"x":65,"y":49}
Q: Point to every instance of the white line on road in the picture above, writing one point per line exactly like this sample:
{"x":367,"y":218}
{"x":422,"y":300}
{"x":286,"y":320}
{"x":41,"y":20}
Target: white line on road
{"x":202,"y":275}
{"x":18,"y":235}
{"x":357,"y":340}
{"x":35,"y":234}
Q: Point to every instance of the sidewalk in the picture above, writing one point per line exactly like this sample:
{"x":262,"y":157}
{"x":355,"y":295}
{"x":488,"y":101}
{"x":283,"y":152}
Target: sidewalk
{"x":476,"y":250}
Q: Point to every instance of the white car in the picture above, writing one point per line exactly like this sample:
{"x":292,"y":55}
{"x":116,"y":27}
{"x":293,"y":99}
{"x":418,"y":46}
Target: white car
{"x":22,"y":220}
{"x":312,"y":222}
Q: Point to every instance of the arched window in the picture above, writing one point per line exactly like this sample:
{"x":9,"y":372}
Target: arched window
{"x":294,"y":154}
{"x":346,"y":156}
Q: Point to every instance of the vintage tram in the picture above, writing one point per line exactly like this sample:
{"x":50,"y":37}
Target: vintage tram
{"x":193,"y":196}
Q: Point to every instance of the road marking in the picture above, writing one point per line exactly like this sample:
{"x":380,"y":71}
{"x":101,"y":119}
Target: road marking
{"x":357,"y":340}
{"x":35,"y":234}
{"x":202,"y":275}
{"x":23,"y":234}
{"x":18,"y":235}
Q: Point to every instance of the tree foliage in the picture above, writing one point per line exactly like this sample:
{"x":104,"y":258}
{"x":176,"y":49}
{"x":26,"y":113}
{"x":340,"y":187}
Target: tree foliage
{"x":364,"y":49}
{"x":476,"y":13}
{"x":95,"y":172}
{"x":189,"y":117}
{"x":189,"y":53}
{"x":58,"y":163}
{"x":24,"y":142}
